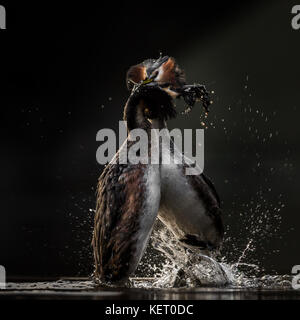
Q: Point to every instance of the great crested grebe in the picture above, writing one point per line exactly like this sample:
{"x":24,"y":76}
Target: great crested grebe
{"x":131,"y":196}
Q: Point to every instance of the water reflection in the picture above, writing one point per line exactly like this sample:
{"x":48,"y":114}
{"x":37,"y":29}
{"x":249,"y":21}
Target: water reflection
{"x":88,"y":290}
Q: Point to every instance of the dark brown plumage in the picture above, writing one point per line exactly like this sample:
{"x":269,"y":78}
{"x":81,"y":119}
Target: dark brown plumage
{"x":207,"y":193}
{"x":119,"y":205}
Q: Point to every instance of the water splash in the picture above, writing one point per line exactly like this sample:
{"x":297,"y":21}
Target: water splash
{"x":170,"y":265}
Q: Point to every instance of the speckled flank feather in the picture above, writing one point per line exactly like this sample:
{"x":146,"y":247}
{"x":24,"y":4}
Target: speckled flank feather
{"x":120,"y":202}
{"x":128,"y":198}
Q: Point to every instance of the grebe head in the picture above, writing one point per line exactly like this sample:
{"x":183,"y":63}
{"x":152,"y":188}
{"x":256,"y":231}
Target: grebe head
{"x":149,"y":100}
{"x":163,"y":71}
{"x":154,"y":84}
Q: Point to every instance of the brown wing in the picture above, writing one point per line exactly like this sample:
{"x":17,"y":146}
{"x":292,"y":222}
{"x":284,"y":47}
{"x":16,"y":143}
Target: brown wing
{"x":208,"y":194}
{"x":121,"y":204}
{"x":212,"y":187}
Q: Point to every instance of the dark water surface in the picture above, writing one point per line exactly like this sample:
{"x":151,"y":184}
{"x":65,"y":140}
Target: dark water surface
{"x":83,"y":289}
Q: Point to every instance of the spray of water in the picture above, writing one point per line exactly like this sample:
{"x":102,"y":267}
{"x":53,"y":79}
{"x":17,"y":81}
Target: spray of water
{"x":170,"y":265}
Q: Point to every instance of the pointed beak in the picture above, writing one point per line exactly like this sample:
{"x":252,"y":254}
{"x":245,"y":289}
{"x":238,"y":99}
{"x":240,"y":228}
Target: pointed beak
{"x":158,"y":63}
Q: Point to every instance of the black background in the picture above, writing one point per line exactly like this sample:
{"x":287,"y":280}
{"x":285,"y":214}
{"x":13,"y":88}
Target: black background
{"x":63,"y":78}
